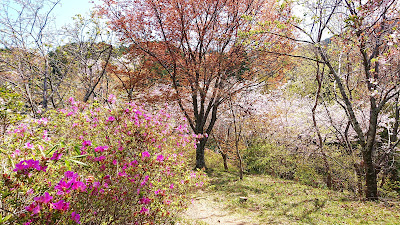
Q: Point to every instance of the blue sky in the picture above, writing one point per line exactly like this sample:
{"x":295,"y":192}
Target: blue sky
{"x":66,"y":9}
{"x":62,"y":13}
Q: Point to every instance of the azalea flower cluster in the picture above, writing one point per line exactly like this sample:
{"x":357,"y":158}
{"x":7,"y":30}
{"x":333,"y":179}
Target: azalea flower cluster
{"x":50,"y":207}
{"x":45,"y":201}
{"x":120,"y":154}
{"x":26,"y":165}
{"x":69,"y":183}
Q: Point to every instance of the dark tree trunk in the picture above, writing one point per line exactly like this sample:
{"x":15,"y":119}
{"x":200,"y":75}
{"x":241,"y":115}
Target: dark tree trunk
{"x":200,"y":162}
{"x":359,"y":172}
{"x":371,"y":187}
{"x":91,"y":89}
{"x":371,"y":191}
{"x":225,"y":159}
{"x":199,"y":129}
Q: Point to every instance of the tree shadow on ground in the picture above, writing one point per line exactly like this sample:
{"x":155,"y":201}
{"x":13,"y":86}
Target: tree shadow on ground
{"x":230,"y":182}
{"x":316,"y":206}
{"x":299,"y":210}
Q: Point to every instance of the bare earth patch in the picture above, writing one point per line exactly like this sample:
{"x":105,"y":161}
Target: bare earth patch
{"x":205,"y":210}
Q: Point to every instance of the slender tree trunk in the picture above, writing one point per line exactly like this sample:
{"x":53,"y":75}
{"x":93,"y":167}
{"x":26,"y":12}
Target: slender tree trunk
{"x":29,"y":95}
{"x":223,"y":154}
{"x":91,"y":89}
{"x":225,"y":159}
{"x":394,"y":176}
{"x":319,"y":77}
{"x":240,"y":159}
{"x":237,"y":136}
{"x":44,"y":103}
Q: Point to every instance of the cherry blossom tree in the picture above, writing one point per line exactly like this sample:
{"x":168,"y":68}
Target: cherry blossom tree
{"x":361,"y":60}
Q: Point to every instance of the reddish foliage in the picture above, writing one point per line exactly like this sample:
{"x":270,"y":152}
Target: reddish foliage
{"x":207,"y":51}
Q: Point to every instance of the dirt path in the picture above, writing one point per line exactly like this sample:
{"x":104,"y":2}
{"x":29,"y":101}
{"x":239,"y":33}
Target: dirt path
{"x":206,"y":211}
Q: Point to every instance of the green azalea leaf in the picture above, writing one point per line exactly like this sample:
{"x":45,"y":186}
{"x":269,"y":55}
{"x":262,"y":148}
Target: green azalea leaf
{"x":52,"y":149}
{"x":78,"y":162}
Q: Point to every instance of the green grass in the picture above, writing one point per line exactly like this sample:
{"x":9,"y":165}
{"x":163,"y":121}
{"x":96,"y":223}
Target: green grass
{"x":275,"y":201}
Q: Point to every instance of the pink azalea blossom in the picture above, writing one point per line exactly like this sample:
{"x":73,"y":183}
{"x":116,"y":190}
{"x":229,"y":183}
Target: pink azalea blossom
{"x":17,"y":152}
{"x":110,"y":119}
{"x":96,"y":184}
{"x":34,"y":208}
{"x":107,"y":179}
{"x":30,"y":192}
{"x":75,"y":217}
{"x":122,"y":174}
{"x":43,"y":121}
{"x":86,"y":143}
{"x":63,"y":187}
{"x":111,"y":99}
{"x":79,"y":185}
{"x":146,"y":178}
{"x":71,"y":100}
{"x":145,"y":154}
{"x":56,"y":156}
{"x":71,"y":175}
{"x":46,"y":198}
{"x":25,"y":165}
{"x":160,"y":158}
{"x":144,"y":210}
{"x":101,"y":148}
{"x":68,"y":183}
{"x":28,"y":145}
{"x":145,"y":201}
{"x":61,"y":205}
{"x":45,"y":136}
{"x":100,"y":158}
{"x":133,"y":163}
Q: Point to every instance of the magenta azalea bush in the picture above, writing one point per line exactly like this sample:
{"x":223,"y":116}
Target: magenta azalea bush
{"x":90,"y":164}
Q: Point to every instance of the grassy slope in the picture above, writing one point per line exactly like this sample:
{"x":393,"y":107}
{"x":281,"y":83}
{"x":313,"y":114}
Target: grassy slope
{"x":275,"y":201}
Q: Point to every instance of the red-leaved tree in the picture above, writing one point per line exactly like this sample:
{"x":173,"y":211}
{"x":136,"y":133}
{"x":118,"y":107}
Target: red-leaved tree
{"x":207,"y":51}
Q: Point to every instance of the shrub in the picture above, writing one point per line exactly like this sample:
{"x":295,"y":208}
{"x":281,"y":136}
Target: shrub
{"x":92,"y":164}
{"x":10,"y":108}
{"x":268,"y":158}
{"x":306,"y":167}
